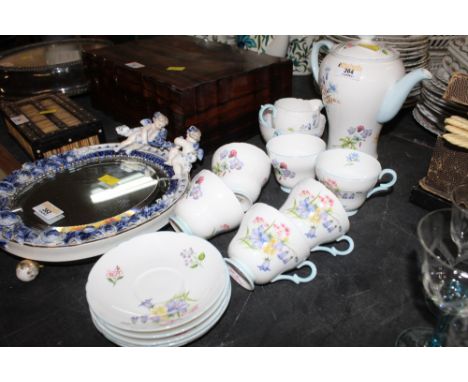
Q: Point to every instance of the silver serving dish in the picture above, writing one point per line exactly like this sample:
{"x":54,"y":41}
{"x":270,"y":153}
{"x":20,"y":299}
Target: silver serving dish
{"x":46,"y":67}
{"x":106,"y":196}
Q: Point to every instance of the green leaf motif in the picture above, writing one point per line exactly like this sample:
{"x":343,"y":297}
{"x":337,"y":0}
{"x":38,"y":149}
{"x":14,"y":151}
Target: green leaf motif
{"x":201,"y":256}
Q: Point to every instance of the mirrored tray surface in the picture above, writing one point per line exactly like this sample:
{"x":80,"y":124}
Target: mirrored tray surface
{"x":102,"y":194}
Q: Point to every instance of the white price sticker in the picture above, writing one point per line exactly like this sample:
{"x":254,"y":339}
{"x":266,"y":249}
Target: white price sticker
{"x":19,"y":119}
{"x":48,"y":212}
{"x":351,"y":71}
{"x":134,"y":65}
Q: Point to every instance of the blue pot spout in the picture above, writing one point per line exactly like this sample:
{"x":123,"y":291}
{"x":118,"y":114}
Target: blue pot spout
{"x":397,"y":94}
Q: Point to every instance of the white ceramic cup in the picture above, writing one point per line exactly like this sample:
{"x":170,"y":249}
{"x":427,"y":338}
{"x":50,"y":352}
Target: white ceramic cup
{"x":208,"y":208}
{"x":352,"y":175}
{"x":293,"y":115}
{"x":267,"y":131}
{"x":244,"y":168}
{"x":266,"y":245}
{"x":319,"y":214}
{"x":293,"y":158}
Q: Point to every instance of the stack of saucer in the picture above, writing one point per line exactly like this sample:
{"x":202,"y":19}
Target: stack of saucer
{"x":414,"y":52}
{"x":158,"y":289}
{"x":432,"y":109}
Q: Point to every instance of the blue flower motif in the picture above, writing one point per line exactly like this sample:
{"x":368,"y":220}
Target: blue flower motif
{"x":305,"y":208}
{"x":312,"y":233}
{"x":147,"y":303}
{"x":244,"y":41}
{"x":265,"y":266}
{"x":284,"y":256}
{"x":176,"y":307}
{"x":258,"y":237}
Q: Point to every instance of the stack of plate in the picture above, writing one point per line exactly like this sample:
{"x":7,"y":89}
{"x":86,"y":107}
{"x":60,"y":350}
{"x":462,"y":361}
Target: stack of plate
{"x":438,"y":49}
{"x":432,"y":109}
{"x":158,"y":289}
{"x":414,"y":52}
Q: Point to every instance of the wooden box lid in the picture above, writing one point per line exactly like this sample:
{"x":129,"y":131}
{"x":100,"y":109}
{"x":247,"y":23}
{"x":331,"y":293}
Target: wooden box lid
{"x":190,"y":74}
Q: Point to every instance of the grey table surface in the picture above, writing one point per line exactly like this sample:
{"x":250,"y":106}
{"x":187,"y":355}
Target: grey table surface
{"x":364,"y":299}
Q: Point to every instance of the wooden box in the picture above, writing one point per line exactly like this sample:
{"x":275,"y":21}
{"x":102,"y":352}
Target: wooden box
{"x":217,"y":87}
{"x":50,"y":124}
{"x":448,"y":168}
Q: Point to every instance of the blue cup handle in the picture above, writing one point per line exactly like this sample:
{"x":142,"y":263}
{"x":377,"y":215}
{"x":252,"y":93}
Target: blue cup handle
{"x":384,"y":186}
{"x":335,"y":252}
{"x":262,"y":111}
{"x":297,"y":279}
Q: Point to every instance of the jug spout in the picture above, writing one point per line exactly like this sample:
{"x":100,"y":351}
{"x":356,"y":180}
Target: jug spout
{"x":396,"y":95}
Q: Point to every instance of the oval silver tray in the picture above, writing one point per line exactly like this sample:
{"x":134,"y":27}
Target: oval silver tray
{"x":106,"y":197}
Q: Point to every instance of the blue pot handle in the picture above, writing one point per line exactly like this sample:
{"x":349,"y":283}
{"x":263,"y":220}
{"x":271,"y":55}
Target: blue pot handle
{"x":384,"y":186}
{"x":335,"y":252}
{"x":262,"y":111}
{"x":297,"y":279}
{"x":315,"y":53}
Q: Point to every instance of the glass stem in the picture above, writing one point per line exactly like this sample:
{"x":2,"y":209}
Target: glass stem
{"x":440,"y":331}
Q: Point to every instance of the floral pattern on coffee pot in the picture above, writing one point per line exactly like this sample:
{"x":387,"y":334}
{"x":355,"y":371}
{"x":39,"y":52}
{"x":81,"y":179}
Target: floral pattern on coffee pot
{"x":363,"y":85}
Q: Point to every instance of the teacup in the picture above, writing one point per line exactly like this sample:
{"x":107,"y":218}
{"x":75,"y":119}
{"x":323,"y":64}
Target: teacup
{"x":352,"y":175}
{"x":244,"y":168}
{"x":293,"y":158}
{"x":293,"y":115}
{"x":267,"y":131}
{"x":267,"y":244}
{"x":208,"y":208}
{"x":319,"y":214}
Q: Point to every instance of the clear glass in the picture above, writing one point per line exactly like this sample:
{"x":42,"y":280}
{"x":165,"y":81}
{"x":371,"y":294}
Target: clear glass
{"x":459,"y":221}
{"x":444,"y":277}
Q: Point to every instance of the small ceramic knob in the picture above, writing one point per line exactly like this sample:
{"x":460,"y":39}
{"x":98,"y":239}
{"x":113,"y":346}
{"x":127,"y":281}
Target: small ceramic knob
{"x":27,"y":270}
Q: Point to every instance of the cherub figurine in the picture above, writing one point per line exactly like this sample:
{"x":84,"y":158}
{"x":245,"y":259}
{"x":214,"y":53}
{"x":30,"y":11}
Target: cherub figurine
{"x":185,"y":152}
{"x":151,"y":130}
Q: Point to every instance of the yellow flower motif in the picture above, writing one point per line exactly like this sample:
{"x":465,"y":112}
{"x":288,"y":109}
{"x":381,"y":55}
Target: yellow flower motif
{"x":159,"y":310}
{"x":269,"y":248}
{"x":315,"y":218}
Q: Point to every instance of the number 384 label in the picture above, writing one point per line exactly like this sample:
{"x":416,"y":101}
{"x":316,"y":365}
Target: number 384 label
{"x":351,"y":71}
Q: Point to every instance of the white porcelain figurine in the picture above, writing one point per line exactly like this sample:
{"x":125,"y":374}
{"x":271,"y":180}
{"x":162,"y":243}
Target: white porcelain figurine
{"x":139,"y":137}
{"x":185,"y":152}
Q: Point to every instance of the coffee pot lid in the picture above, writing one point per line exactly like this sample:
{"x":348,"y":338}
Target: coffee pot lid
{"x":366,"y":48}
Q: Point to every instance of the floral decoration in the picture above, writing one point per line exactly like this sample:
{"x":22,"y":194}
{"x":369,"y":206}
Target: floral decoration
{"x":178,"y":306}
{"x":281,"y":170}
{"x":299,"y":50}
{"x":196,"y":191}
{"x":271,"y":240}
{"x":225,"y":227}
{"x":255,"y":42}
{"x":352,"y":158}
{"x":328,"y":88}
{"x":228,"y":161}
{"x":333,"y":187}
{"x":114,"y":275}
{"x":356,"y":137}
{"x":315,"y":210}
{"x":192,"y":259}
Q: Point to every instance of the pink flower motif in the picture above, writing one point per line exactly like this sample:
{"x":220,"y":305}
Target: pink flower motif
{"x":283,"y":165}
{"x":232,"y":153}
{"x":114,"y":275}
{"x":360,"y":128}
{"x":225,"y":227}
{"x":200,"y":180}
{"x":259,"y":219}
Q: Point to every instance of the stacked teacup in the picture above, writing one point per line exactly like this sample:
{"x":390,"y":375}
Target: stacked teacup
{"x":216,"y":200}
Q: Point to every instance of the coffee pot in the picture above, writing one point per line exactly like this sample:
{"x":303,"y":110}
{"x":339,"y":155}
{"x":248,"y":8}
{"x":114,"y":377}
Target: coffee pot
{"x":363,"y":85}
